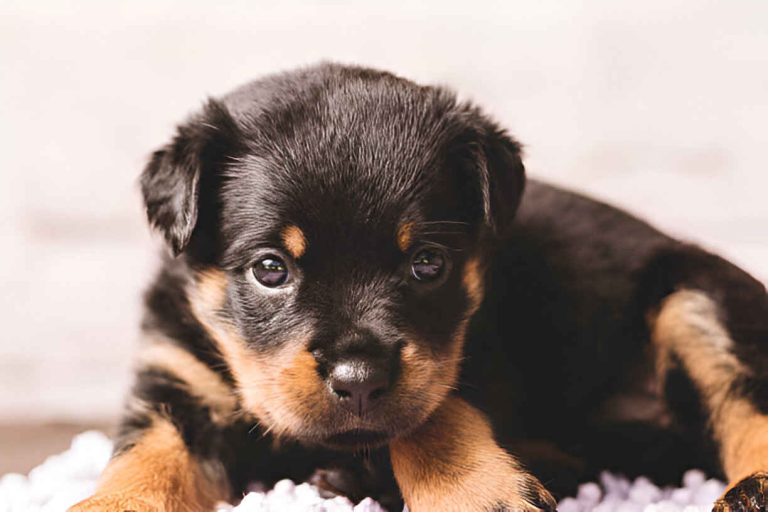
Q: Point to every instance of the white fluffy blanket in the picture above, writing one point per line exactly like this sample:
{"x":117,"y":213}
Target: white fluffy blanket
{"x":66,"y":478}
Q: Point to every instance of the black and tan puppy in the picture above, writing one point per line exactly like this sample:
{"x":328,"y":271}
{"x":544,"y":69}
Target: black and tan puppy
{"x":352,"y":302}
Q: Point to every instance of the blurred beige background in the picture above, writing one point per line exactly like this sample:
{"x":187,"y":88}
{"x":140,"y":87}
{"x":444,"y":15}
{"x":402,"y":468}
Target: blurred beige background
{"x":660,"y":106}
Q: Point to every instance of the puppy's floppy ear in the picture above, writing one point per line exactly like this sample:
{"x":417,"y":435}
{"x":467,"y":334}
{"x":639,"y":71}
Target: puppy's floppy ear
{"x":502,"y":177}
{"x":171,"y":180}
{"x":493,"y":175}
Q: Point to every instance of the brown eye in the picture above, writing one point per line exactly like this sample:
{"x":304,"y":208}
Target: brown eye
{"x":271,"y":271}
{"x":427,"y":265}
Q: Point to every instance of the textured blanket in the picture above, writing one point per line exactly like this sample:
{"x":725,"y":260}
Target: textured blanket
{"x":66,"y":478}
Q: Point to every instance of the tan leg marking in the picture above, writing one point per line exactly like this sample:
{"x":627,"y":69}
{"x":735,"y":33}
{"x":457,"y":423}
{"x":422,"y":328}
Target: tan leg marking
{"x":688,"y":326}
{"x":295,"y":241}
{"x":157,"y":474}
{"x":452,"y":463}
{"x":200,"y":381}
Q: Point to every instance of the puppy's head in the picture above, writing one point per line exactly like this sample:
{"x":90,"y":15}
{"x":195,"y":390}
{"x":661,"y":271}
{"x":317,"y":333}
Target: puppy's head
{"x":335,"y":220}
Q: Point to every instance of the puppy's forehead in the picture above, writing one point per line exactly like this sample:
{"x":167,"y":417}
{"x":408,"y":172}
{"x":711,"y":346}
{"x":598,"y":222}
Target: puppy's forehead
{"x":342,"y":207}
{"x":348,"y":167}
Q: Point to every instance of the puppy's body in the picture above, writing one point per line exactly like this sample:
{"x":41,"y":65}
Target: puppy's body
{"x":565,"y":326}
{"x":401,"y":307}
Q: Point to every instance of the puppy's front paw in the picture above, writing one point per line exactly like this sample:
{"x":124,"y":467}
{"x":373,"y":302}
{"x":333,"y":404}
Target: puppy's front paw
{"x":492,"y":492}
{"x":115,"y":503}
{"x":453,"y":464}
{"x":749,"y":495}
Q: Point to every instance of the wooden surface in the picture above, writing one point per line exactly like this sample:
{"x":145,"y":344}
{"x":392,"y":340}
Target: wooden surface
{"x":24,"y":446}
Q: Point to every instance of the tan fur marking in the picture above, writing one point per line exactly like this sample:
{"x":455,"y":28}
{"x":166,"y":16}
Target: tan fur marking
{"x":285,"y":390}
{"x":688,"y":326}
{"x":425,"y":381}
{"x":430,"y":376}
{"x":744,"y":435}
{"x":473,"y":280}
{"x":405,"y":236}
{"x":210,"y":291}
{"x":282,"y":390}
{"x":294,"y":240}
{"x":200,"y":380}
{"x":207,"y":297}
{"x":157,"y":474}
{"x":451,"y":463}
{"x":299,"y":375}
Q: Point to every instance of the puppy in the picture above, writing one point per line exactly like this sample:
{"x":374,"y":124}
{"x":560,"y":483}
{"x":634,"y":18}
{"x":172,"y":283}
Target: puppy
{"x":353,"y":300}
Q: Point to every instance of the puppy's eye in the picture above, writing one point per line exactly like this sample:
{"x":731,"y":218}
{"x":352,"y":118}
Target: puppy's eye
{"x":428,"y":264}
{"x":271,"y":271}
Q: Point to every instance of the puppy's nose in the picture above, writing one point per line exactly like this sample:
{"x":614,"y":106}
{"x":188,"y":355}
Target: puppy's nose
{"x":357,"y":384}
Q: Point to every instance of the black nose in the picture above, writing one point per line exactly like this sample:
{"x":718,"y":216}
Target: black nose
{"x":358,"y":383}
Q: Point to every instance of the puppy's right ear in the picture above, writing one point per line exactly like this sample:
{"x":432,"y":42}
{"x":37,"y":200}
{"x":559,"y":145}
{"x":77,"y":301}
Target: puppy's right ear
{"x":171,"y":180}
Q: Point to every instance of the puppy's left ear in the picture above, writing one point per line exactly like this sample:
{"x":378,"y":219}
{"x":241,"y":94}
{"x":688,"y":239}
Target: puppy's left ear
{"x":493,"y":175}
{"x":171,"y":181}
{"x":502,"y":177}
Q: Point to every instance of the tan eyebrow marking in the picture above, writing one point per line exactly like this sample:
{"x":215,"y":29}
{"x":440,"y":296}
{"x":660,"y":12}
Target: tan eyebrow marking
{"x":294,"y":240}
{"x":405,"y":236}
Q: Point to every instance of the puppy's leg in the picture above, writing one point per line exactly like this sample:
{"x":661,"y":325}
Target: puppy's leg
{"x":166,"y":456}
{"x":452,"y":463}
{"x":157,"y":474}
{"x":688,"y":331}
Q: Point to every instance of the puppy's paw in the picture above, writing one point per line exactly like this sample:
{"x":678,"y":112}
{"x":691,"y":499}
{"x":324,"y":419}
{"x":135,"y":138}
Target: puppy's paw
{"x":116,"y":503}
{"x":749,"y":495}
{"x":521,"y":493}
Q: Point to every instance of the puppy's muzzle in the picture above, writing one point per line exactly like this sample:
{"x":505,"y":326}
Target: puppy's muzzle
{"x":359,"y":370}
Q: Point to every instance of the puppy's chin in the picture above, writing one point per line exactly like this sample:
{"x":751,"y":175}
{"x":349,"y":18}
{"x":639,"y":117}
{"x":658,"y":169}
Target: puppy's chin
{"x":349,"y":434}
{"x":356,"y":439}
{"x":338,"y":432}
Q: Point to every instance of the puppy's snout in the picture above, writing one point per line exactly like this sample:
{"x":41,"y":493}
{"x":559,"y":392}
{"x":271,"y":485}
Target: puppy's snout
{"x":358,"y":383}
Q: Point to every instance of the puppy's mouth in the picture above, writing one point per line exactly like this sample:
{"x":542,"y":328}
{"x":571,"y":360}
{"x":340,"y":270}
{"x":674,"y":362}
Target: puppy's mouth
{"x":357,"y":438}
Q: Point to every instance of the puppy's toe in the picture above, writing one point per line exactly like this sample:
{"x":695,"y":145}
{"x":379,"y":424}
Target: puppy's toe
{"x":749,"y":495}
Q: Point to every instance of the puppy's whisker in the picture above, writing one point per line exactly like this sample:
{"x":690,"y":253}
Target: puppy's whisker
{"x":446,"y":233}
{"x":267,"y":431}
{"x":425,"y":223}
